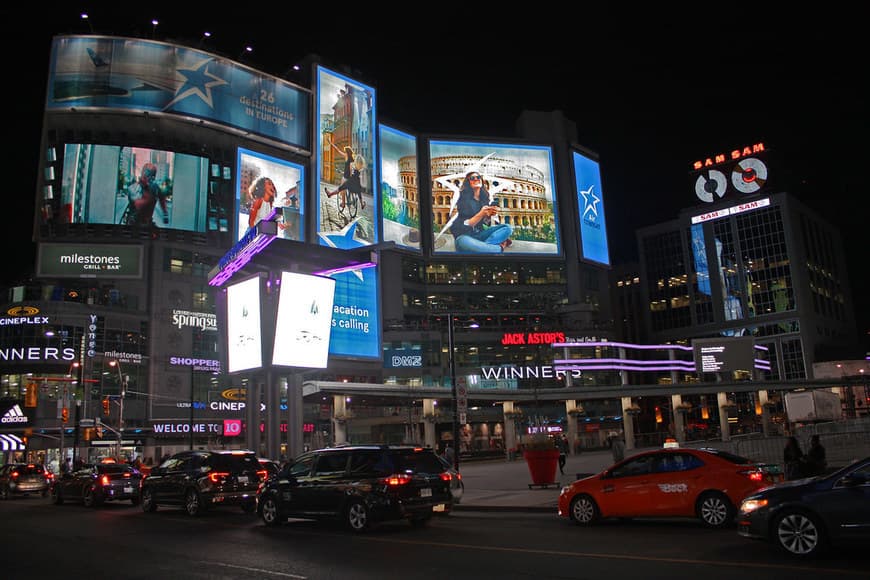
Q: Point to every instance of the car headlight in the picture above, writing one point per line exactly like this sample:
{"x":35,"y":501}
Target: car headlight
{"x":750,"y":505}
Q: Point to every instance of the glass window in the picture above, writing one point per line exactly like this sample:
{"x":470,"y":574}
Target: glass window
{"x":638,"y":466}
{"x":302,"y":466}
{"x":332,"y":463}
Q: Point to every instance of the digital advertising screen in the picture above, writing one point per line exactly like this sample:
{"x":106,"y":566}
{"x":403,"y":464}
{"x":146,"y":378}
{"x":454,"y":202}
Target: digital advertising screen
{"x":717,"y":355}
{"x":346,"y":158}
{"x":400,"y":199}
{"x":491,"y":198}
{"x":304,"y":321}
{"x":590,"y":204}
{"x":137,"y":74}
{"x":355,"y":315}
{"x":244,"y":335}
{"x":265,"y":183}
{"x":89,"y":261}
{"x":110,"y":184}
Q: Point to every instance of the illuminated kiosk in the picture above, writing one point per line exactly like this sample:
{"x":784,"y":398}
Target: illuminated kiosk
{"x":252,"y":276}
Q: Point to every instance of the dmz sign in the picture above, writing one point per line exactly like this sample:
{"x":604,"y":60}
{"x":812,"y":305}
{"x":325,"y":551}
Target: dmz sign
{"x":400,"y":359}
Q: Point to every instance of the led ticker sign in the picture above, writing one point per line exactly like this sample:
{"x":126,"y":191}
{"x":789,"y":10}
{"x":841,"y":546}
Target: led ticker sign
{"x":735,"y":209}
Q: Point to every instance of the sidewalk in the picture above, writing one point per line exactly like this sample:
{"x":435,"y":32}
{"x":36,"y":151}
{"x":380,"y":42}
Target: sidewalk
{"x":501,"y":485}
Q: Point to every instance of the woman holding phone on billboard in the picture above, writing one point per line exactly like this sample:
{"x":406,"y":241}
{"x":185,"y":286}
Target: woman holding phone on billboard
{"x":473,"y":230}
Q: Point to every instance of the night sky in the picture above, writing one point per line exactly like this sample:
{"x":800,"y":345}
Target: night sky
{"x":650,"y":93}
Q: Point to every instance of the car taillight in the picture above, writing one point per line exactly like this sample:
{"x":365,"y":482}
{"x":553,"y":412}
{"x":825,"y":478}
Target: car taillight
{"x":217,"y":476}
{"x":446,"y":476}
{"x":104,"y":480}
{"x":753,"y":475}
{"x":14,"y":475}
{"x":397,"y":479}
{"x":262,"y":474}
{"x":128,"y":474}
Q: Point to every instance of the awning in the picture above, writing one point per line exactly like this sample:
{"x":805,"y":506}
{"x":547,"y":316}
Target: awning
{"x":9,"y":442}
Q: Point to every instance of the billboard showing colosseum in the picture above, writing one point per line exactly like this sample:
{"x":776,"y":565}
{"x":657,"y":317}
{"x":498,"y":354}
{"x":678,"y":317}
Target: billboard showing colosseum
{"x":399,"y":192}
{"x":490,"y":198}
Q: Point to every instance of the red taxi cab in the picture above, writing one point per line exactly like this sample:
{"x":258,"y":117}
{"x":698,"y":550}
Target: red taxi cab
{"x":674,"y":482}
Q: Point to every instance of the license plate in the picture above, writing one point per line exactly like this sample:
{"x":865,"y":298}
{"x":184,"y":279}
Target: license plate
{"x":128,"y":490}
{"x":426,"y":492}
{"x":243,"y":479}
{"x":439,"y":508}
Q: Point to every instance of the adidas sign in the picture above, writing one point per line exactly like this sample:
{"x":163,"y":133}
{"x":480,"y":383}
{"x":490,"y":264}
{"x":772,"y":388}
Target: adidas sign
{"x":14,"y":415}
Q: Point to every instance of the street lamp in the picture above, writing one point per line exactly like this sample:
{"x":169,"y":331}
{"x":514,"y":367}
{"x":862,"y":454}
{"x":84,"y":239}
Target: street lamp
{"x":123,"y":386}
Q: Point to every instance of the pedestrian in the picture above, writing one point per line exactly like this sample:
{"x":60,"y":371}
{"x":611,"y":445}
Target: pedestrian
{"x":562,"y":444}
{"x":816,"y":462}
{"x":449,"y":456}
{"x":617,"y":448}
{"x":792,"y":458}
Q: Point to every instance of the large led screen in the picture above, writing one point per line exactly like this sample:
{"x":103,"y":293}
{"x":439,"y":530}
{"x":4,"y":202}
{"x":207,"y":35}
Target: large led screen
{"x":400,"y":205}
{"x":304,"y":322}
{"x":346,"y":158}
{"x":355,"y":315}
{"x":265,"y":183}
{"x":590,"y":203}
{"x":716,"y":355}
{"x":244,"y":338}
{"x":490,"y":198}
{"x":133,"y":74}
{"x":108,"y":184}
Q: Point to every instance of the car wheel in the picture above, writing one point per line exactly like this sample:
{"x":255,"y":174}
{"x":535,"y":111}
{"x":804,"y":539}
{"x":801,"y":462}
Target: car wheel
{"x":584,"y":510}
{"x":193,"y":503}
{"x":57,"y":496}
{"x":148,"y":502}
{"x":88,"y":498}
{"x":715,"y":510}
{"x":4,"y":492}
{"x":357,"y":516}
{"x":799,"y":534}
{"x":44,"y":492}
{"x":269,"y":512}
{"x":249,"y":506}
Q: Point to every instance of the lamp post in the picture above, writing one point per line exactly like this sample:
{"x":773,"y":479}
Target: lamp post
{"x":123,"y":385}
{"x":452,"y":362}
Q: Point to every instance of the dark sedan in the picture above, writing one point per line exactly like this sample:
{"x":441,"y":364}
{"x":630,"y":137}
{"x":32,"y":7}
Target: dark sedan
{"x":24,"y":479}
{"x":806,"y":516}
{"x":94,"y":484}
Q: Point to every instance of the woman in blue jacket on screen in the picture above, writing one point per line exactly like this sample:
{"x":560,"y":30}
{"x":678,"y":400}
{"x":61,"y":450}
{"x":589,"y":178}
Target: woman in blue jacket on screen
{"x":474,"y":230}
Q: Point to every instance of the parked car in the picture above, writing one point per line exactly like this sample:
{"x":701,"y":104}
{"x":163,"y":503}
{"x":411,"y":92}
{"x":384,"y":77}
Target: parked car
{"x":457,"y":487}
{"x":360,"y":484}
{"x":23,"y":479}
{"x":198,"y":480}
{"x":703,"y":483}
{"x":807,"y":516}
{"x":268,"y":468}
{"x":93,"y":485}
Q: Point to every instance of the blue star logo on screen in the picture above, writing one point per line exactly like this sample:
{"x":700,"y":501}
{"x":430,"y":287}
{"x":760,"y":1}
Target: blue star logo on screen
{"x":590,"y":204}
{"x":198,"y":81}
{"x":344,"y":240}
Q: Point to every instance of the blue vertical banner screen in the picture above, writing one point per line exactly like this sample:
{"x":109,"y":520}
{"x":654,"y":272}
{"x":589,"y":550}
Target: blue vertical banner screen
{"x":590,"y":203}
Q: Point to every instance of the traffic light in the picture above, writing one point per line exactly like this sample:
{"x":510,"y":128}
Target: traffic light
{"x":105,"y":405}
{"x":64,"y":414}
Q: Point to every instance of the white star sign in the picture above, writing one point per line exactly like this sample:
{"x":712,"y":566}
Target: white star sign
{"x":197,"y":81}
{"x":590,"y":204}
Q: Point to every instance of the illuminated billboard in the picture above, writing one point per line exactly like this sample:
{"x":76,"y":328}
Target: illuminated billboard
{"x":89,"y":261}
{"x":715,"y":355}
{"x":304,"y":321}
{"x":493,"y":198}
{"x":590,"y":203}
{"x":346,"y":158}
{"x":109,"y":184}
{"x":135,"y":74}
{"x":265,"y":183}
{"x":355,"y":315}
{"x":400,"y":205}
{"x":244,"y":336}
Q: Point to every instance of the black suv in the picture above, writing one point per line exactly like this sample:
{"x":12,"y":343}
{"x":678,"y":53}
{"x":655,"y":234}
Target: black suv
{"x":197,"y":480}
{"x":359,"y":484}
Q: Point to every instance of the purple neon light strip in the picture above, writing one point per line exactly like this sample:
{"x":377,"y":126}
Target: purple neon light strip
{"x":255,"y":247}
{"x":760,"y":347}
{"x":629,"y":367}
{"x":625,"y":345}
{"x":343,"y":269}
{"x":623,"y":360}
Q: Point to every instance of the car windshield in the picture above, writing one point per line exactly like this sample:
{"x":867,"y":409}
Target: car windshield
{"x":110,"y":468}
{"x":31,"y":469}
